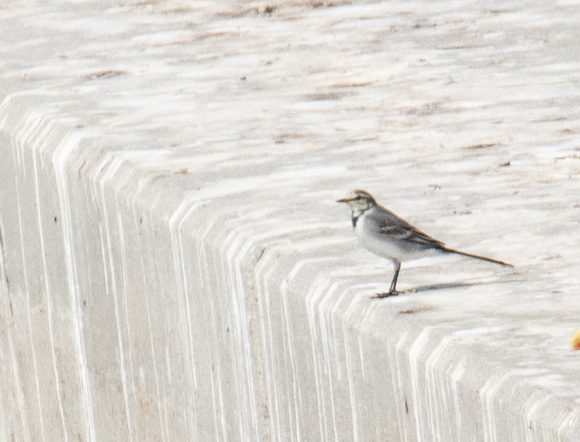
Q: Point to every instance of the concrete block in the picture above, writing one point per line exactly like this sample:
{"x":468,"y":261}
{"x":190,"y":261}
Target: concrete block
{"x":173,"y":265}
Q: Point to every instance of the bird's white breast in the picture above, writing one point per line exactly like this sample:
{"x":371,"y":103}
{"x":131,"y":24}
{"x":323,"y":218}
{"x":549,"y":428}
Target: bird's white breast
{"x":387,"y":247}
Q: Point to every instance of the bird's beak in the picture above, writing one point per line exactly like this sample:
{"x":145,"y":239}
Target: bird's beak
{"x":344,"y":200}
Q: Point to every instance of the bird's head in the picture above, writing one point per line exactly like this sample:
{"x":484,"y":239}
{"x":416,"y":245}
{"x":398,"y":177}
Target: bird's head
{"x":359,"y":201}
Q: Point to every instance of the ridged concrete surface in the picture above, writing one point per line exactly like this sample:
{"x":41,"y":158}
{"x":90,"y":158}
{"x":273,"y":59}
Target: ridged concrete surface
{"x":173,"y":263}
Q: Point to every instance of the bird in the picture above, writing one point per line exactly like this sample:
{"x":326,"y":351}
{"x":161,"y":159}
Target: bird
{"x":387,"y":235}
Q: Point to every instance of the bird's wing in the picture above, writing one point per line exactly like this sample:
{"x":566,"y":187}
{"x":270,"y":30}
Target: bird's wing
{"x":390,"y":225}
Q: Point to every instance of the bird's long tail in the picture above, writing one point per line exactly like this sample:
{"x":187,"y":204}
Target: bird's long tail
{"x":483,"y":258}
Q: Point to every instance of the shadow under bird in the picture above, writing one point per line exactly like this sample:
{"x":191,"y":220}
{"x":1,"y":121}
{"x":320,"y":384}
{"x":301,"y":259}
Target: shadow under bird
{"x":385,"y":234}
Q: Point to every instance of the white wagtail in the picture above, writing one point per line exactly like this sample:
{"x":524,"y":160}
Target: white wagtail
{"x":385,"y":234}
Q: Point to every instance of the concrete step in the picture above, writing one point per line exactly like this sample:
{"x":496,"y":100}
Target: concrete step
{"x":173,"y":263}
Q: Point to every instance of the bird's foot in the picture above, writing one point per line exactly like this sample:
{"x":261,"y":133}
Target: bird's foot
{"x":387,"y":294}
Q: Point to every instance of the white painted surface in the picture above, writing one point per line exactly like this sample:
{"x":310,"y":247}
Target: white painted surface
{"x":174,"y":266}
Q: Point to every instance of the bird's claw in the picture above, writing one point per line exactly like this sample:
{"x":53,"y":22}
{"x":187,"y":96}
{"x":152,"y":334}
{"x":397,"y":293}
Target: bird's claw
{"x":387,"y":294}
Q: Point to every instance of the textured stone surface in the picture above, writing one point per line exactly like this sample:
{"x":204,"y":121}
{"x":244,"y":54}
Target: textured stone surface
{"x":174,"y":266}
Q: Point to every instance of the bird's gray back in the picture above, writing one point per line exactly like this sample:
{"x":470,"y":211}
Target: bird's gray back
{"x":389,"y":226}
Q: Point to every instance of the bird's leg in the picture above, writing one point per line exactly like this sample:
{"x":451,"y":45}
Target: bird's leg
{"x":392,"y":291}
